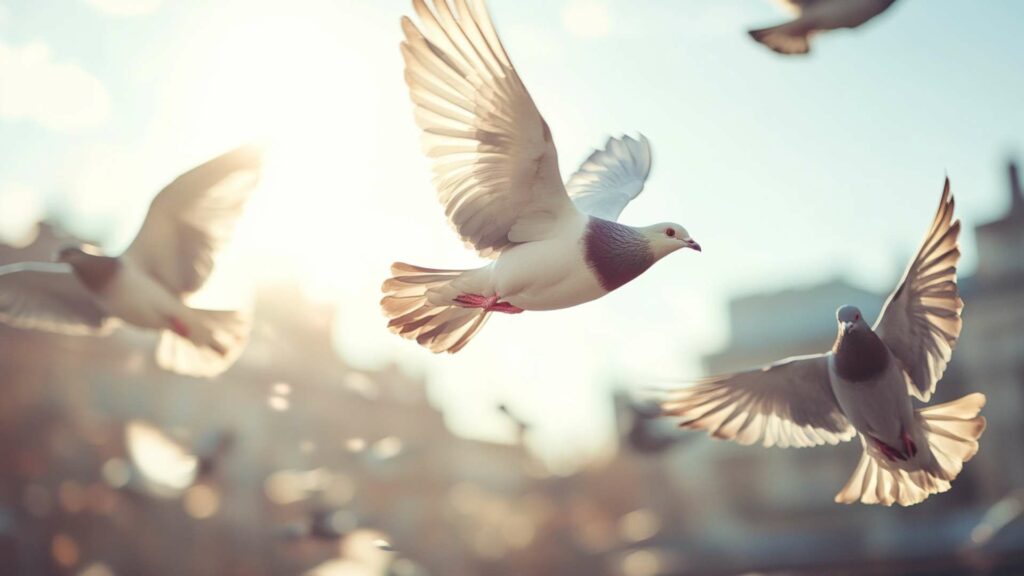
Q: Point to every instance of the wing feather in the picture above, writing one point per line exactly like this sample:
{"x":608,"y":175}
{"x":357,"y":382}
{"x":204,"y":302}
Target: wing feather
{"x":920,"y":322}
{"x":610,"y":178}
{"x":49,"y":297}
{"x":192,"y":218}
{"x":495,"y":164}
{"x":789,"y":403}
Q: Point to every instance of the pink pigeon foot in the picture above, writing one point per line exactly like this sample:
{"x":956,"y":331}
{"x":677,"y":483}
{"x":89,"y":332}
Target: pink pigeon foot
{"x":488,"y":303}
{"x":891,"y":453}
{"x":178,"y":327}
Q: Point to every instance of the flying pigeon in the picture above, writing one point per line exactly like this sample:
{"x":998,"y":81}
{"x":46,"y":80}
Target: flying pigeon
{"x":87,"y":293}
{"x":863,"y":386}
{"x":553,"y":245}
{"x":814,"y":16}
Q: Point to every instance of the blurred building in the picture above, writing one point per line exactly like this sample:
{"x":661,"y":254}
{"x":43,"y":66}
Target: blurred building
{"x":324,"y":458}
{"x":319,"y":451}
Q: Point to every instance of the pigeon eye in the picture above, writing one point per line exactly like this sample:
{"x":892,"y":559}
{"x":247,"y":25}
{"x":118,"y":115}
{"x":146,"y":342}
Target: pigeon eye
{"x":856,"y":317}
{"x":670,"y":232}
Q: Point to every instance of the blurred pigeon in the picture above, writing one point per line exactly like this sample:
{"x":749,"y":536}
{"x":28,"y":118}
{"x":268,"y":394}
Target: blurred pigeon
{"x":172,"y":256}
{"x":554,"y":245}
{"x":863,"y":386}
{"x":814,"y":16}
{"x":165,"y":465}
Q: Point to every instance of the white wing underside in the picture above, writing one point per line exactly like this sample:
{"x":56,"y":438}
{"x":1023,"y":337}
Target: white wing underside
{"x":789,"y":403}
{"x":48,"y":296}
{"x":495,"y":164}
{"x":921,"y":321}
{"x":610,"y":178}
{"x":192,"y":218}
{"x":164,"y":463}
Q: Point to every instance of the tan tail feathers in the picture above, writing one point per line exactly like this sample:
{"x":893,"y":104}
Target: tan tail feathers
{"x":208,"y":344}
{"x":417,"y":302}
{"x":952,"y":431}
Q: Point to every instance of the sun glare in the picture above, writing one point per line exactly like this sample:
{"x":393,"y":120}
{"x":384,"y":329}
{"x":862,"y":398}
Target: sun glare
{"x":294,"y":84}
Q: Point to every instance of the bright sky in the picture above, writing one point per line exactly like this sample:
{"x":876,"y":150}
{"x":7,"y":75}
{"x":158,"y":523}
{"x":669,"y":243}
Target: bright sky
{"x":788,"y":171}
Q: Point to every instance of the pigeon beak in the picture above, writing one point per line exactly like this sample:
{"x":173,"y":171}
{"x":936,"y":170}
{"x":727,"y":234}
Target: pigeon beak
{"x":693,"y":244}
{"x":847,"y":326}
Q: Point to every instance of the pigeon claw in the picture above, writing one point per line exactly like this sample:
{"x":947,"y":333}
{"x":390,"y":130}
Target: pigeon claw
{"x":488,"y":303}
{"x":889,"y":452}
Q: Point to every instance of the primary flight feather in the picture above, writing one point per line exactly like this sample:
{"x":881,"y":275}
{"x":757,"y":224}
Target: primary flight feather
{"x":553,"y":244}
{"x":863,"y":387}
{"x":172,"y":256}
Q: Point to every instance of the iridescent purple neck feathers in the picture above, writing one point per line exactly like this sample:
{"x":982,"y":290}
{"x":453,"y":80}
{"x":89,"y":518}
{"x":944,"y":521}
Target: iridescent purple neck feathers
{"x":860,"y":355}
{"x":616,"y":253}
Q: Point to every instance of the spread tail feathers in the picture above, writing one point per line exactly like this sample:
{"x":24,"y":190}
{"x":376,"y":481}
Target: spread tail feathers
{"x":789,"y":38}
{"x":417,"y":302}
{"x":206,"y":344}
{"x":952,"y":431}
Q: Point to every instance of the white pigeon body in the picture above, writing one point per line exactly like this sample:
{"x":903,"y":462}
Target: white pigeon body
{"x":814,"y":17}
{"x":147,"y":287}
{"x":863,"y":387}
{"x":138,"y":299}
{"x":546,"y":274}
{"x":554,"y":244}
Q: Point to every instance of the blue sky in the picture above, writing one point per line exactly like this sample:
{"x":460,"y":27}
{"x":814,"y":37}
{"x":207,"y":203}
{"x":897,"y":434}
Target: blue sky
{"x":788,"y":171}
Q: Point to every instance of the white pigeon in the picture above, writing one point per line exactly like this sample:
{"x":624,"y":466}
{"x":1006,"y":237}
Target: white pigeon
{"x":86,"y":293}
{"x":863,"y":386}
{"x":554,"y":245}
{"x":815,"y":16}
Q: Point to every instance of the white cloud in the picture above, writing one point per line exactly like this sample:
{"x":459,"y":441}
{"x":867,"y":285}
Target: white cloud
{"x":59,"y":96}
{"x":587,"y":18}
{"x":125,"y":7}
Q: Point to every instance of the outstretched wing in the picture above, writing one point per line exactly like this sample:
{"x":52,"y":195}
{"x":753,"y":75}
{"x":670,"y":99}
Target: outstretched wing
{"x":789,"y":403}
{"x":609,"y":179}
{"x":495,"y":165}
{"x":920,"y":323}
{"x":48,"y":296}
{"x":192,"y":218}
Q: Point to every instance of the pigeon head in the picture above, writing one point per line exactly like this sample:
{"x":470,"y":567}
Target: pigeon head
{"x":92,"y":268}
{"x":69,"y":254}
{"x":860,"y":354}
{"x":77,"y":253}
{"x":666,"y":238}
{"x":850,"y":320}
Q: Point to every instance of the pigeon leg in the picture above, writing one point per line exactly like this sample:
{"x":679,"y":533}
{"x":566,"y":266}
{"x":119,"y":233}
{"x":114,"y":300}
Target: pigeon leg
{"x":909,"y":448}
{"x":475,"y":300}
{"x":505,"y":307}
{"x":178,"y":327}
{"x":890,"y":453}
{"x":488,"y":303}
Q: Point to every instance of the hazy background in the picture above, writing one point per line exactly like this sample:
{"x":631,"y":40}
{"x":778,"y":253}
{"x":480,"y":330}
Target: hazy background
{"x":788,"y":171}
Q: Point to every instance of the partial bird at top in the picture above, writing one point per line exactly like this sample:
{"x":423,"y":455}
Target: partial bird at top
{"x":864,"y":387}
{"x":87,"y":293}
{"x":815,"y":16}
{"x":554,"y":244}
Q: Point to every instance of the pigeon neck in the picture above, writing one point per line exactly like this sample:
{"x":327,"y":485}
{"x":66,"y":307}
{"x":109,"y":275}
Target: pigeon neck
{"x":616,"y":253}
{"x":95,"y":272}
{"x":860,"y":355}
